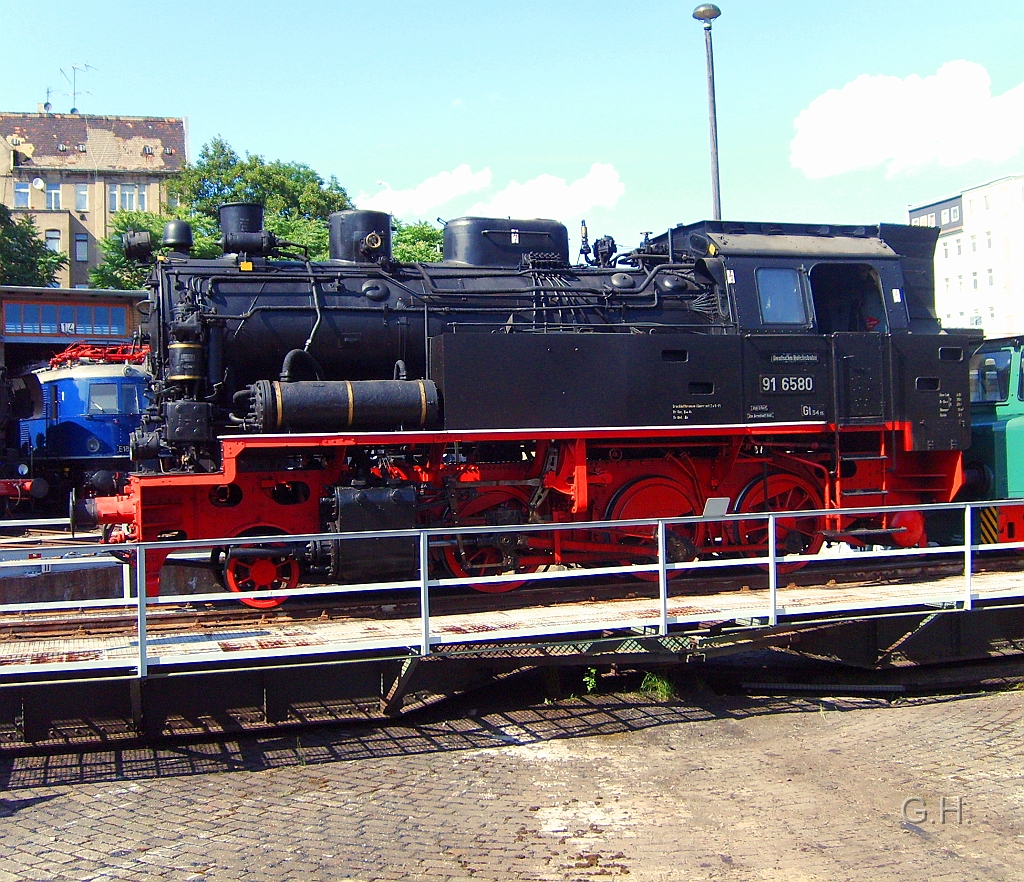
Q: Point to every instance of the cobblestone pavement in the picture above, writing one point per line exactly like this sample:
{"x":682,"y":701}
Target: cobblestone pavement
{"x":581,"y":789}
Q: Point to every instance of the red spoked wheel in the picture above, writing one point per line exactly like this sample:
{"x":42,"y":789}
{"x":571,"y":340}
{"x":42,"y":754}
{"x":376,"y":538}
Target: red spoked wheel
{"x":484,"y":554}
{"x":653,"y":497}
{"x":781,"y":491}
{"x":266,"y":567}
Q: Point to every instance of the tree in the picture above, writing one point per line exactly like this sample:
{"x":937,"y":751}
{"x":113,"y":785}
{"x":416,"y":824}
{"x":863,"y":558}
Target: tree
{"x":289,"y":189}
{"x":24,"y":257}
{"x":118,"y":272}
{"x":420,"y":242}
{"x":296,"y":202}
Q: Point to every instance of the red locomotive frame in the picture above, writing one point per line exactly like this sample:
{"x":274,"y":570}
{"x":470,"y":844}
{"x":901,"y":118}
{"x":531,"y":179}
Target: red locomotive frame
{"x":274,"y":485}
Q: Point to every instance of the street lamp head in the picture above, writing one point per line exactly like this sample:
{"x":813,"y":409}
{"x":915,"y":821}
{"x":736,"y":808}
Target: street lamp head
{"x":707,"y":13}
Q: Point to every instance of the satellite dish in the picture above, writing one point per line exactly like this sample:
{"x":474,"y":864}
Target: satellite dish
{"x":39,"y":183}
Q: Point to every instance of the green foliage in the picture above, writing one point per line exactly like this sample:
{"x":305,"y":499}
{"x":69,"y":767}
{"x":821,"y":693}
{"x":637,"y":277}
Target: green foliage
{"x":24,"y":257}
{"x":658,"y":686}
{"x":116,"y":271}
{"x":310,"y":232}
{"x":288,"y":189}
{"x":417,"y":243}
{"x":296,"y":202}
{"x":590,"y":680}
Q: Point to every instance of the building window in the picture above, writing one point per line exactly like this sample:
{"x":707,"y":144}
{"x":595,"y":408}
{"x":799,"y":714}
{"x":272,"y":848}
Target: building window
{"x":988,"y":236}
{"x":970,"y":206}
{"x":960,"y":285}
{"x":944,"y":216}
{"x":974,"y":281}
{"x":974,"y":243}
{"x":81,"y":247}
{"x":991,"y":278}
{"x":945,"y":249}
{"x":988,"y":204}
{"x":127,"y":197}
{"x":53,"y":197}
{"x":21,"y":192}
{"x":51,"y":320}
{"x":975,"y":321}
{"x":954,"y":213}
{"x":947,"y":285}
{"x":53,"y":240}
{"x":931,"y":219}
{"x":959,"y":250}
{"x":81,"y":197}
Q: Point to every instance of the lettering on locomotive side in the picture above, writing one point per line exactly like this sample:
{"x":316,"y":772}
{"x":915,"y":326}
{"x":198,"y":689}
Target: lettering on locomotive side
{"x":794,"y":358}
{"x":771,"y":384}
{"x":945,"y":404}
{"x":812,"y":411}
{"x":760,"y":412}
{"x":683,"y":412}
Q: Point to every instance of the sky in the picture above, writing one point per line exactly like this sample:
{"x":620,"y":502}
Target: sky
{"x":829,"y":111}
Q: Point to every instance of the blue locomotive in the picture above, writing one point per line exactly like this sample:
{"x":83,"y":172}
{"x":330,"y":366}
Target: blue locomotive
{"x":92,"y":396}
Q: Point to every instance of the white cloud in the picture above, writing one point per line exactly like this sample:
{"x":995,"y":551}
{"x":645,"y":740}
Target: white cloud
{"x":947,"y":119}
{"x":550,"y":196}
{"x":432,"y":193}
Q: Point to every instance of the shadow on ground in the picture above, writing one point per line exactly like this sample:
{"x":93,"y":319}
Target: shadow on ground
{"x":515,"y":712}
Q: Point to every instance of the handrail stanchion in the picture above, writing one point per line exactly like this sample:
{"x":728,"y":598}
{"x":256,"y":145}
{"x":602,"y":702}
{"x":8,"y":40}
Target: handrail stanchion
{"x":968,"y":558}
{"x":773,"y":574}
{"x":663,"y":579}
{"x":140,"y":588}
{"x":425,"y":592}
{"x":126,"y":579}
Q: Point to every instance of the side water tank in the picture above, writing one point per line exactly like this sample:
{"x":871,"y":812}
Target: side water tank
{"x":360,"y":236}
{"x":504,"y":242}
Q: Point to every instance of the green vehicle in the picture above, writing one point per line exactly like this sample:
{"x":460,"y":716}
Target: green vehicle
{"x":995,"y":462}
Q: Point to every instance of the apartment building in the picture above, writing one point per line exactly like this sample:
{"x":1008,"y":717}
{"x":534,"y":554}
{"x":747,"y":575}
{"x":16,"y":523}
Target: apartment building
{"x":979,"y":257}
{"x":71,"y":172}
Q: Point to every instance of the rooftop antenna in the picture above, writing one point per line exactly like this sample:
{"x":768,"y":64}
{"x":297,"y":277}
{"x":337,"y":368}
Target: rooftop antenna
{"x":73,"y":82}
{"x":47,"y":107}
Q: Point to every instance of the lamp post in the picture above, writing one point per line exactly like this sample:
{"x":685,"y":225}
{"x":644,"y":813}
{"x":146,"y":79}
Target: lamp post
{"x":707,"y":13}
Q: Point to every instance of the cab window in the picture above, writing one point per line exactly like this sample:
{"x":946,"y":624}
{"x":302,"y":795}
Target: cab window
{"x":130,"y":398}
{"x":780,"y":296}
{"x":990,"y":376}
{"x":103,"y":398}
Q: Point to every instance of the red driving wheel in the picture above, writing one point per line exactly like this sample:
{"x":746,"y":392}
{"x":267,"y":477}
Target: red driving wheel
{"x":781,"y":491}
{"x":265,"y":567}
{"x":482,"y":554}
{"x":649,"y":498}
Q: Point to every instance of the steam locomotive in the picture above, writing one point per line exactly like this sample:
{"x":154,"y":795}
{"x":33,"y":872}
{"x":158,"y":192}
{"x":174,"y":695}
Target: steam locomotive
{"x":783,"y":367}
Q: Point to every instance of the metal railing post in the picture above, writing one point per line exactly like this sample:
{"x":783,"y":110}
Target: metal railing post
{"x":126,"y":579}
{"x":140,"y":588}
{"x":968,"y":558}
{"x":425,"y":593}
{"x":662,"y":579}
{"x":773,"y":574}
